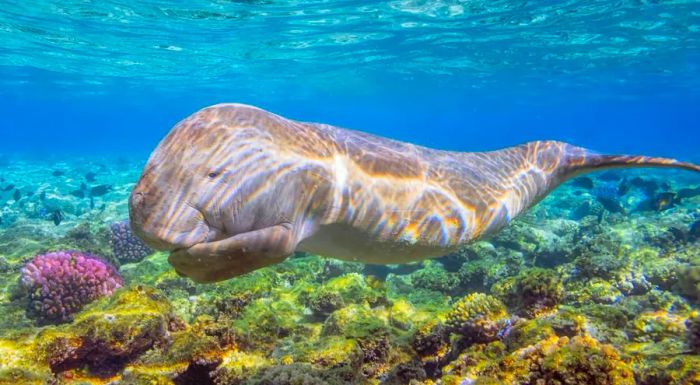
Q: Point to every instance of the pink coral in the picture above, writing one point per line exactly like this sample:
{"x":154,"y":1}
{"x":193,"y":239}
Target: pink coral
{"x":61,"y":283}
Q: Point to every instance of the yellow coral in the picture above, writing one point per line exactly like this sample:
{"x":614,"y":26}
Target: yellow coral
{"x":478,"y":316}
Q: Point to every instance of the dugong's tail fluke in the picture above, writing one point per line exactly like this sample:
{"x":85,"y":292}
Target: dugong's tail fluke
{"x":579,"y":160}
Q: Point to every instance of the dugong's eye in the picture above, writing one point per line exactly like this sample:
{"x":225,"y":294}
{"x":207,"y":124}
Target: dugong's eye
{"x":213,"y":175}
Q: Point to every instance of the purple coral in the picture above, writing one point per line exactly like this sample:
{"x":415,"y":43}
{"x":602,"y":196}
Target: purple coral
{"x":126,"y":246}
{"x":61,"y":283}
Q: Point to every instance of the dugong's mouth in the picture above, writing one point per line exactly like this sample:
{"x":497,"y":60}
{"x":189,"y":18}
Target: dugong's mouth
{"x":213,"y":235}
{"x":207,"y":261}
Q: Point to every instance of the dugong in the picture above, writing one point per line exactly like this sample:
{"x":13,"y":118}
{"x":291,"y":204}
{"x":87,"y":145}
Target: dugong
{"x":233,"y":188}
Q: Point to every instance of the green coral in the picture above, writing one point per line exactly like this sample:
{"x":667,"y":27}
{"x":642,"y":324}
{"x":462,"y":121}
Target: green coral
{"x":531,"y":292}
{"x":434,"y":277}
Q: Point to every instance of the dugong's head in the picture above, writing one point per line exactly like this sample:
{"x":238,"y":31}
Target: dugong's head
{"x":173,"y":205}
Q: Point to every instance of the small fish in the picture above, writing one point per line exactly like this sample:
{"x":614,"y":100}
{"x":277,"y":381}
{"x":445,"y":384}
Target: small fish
{"x":83,"y":186}
{"x":92,"y":203}
{"x":78,"y":193}
{"x":90,"y":177}
{"x":623,"y":187}
{"x":663,"y":201}
{"x":58,"y":173}
{"x":100,"y":190}
{"x":42,"y":196}
{"x":583,"y":182}
{"x":17,"y":195}
{"x":57,"y":217}
{"x":8,"y":187}
{"x":611,"y":204}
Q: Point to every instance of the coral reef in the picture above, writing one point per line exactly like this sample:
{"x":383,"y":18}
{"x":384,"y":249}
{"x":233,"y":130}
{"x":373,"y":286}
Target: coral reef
{"x":478,"y":317}
{"x":570,"y":294}
{"x":126,"y":247}
{"x":531,"y":292}
{"x":60,"y":283}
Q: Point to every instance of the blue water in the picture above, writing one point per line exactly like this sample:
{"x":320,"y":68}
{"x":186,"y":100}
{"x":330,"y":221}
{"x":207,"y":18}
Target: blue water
{"x":615,"y":76}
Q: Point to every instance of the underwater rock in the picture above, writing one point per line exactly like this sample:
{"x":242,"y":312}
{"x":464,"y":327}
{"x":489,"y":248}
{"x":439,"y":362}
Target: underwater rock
{"x":264,"y":322}
{"x":354,"y":321}
{"x":235,"y":367}
{"x":107,"y":336}
{"x":126,"y":247}
{"x":406,"y":373}
{"x":689,"y":285}
{"x":478,"y":317}
{"x":598,"y":265}
{"x":575,"y":361}
{"x":18,"y":364}
{"x":60,"y":283}
{"x":344,"y":290}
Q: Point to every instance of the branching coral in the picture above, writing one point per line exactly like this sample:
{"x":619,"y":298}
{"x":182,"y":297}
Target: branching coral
{"x":61,"y":283}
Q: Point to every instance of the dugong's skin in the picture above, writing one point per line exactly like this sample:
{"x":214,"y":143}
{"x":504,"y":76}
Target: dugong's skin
{"x":233,"y":188}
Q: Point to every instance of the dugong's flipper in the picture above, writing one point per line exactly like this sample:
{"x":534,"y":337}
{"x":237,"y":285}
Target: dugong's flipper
{"x":236,"y":255}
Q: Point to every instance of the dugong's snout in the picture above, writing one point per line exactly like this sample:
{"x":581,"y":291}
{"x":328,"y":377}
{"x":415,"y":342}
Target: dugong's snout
{"x":164,"y":224}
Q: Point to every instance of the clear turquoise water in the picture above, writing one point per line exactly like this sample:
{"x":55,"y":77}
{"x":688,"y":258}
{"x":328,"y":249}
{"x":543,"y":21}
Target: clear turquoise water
{"x":115,"y":76}
{"x":90,"y":87}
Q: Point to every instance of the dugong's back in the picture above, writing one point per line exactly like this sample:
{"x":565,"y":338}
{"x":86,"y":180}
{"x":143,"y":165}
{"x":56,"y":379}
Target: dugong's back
{"x":397,"y":202}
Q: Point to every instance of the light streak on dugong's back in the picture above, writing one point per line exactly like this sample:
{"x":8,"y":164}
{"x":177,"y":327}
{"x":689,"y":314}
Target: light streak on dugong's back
{"x":233,"y":188}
